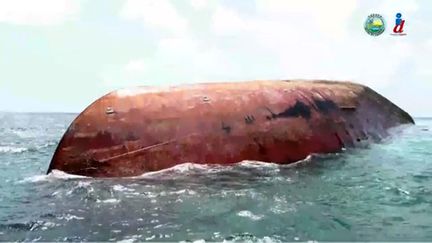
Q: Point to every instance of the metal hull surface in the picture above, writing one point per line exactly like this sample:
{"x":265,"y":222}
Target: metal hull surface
{"x":132,"y":131}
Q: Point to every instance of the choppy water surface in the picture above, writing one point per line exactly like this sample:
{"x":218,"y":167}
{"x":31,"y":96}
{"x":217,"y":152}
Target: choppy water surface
{"x":383,"y":192}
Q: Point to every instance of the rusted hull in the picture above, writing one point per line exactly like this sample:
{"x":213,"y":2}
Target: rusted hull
{"x":133,"y":131}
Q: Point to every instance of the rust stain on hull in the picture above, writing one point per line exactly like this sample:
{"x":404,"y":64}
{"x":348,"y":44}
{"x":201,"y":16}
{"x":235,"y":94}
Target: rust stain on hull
{"x":132,"y":131}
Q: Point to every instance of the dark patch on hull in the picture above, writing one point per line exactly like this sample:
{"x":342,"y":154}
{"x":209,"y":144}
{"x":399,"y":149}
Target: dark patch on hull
{"x":262,"y":149}
{"x":341,"y":144}
{"x":299,"y":109}
{"x":226,"y":128}
{"x":249,"y":119}
{"x":348,"y":108}
{"x":131,"y":136}
{"x":101,"y":140}
{"x":325,"y":106}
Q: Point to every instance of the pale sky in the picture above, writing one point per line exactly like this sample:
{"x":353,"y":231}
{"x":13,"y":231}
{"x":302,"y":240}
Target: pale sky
{"x":60,"y":55}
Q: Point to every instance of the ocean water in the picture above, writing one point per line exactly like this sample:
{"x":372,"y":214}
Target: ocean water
{"x":383,"y":192}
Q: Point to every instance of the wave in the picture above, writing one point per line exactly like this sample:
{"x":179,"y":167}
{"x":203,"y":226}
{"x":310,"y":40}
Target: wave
{"x":53,"y":175}
{"x":184,"y":168}
{"x":181,"y":168}
{"x":25,"y":132}
{"x":250,"y":215}
{"x":10,"y":149}
{"x":109,"y":200}
{"x":14,"y":149}
{"x":262,"y":164}
{"x":48,"y":144}
{"x":212,"y":168}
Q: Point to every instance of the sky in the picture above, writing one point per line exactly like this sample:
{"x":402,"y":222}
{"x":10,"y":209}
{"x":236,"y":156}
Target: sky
{"x":61,"y":55}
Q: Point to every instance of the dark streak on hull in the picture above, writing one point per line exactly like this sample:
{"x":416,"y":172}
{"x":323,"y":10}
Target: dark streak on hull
{"x":130,"y":132}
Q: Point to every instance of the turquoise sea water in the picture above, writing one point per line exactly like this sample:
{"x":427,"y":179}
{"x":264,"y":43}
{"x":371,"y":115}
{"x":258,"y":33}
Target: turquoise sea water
{"x":383,"y":192}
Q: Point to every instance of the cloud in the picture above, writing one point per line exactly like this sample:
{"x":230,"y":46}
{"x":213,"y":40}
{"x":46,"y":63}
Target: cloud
{"x":199,"y":4}
{"x":41,"y":12}
{"x":135,"y":65}
{"x":157,"y":14}
{"x":310,"y":40}
{"x":191,"y":60}
{"x":332,"y":24}
{"x":131,"y":73}
{"x":391,"y":7}
{"x":226,"y":21}
{"x":422,"y":62}
{"x":279,"y":47}
{"x":175,"y":60}
{"x":285,"y":40}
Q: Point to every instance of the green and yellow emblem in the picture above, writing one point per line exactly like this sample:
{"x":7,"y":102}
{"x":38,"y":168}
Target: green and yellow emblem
{"x":374,"y":25}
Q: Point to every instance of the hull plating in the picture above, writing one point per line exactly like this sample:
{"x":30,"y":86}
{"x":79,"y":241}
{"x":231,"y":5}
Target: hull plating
{"x":133,"y":131}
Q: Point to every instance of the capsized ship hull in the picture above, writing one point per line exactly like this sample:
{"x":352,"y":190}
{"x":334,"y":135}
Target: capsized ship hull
{"x":132,"y":131}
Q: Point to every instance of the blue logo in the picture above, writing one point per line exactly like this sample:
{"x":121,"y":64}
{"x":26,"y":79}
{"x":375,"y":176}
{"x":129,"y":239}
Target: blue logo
{"x":399,"y":25}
